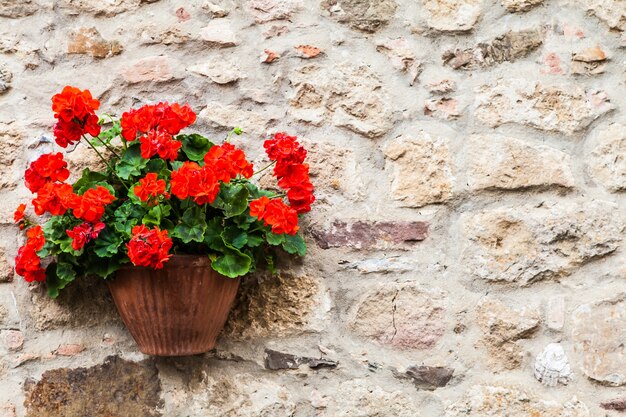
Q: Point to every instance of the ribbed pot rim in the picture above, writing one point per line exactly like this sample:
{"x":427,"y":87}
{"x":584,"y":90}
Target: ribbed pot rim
{"x":178,"y":260}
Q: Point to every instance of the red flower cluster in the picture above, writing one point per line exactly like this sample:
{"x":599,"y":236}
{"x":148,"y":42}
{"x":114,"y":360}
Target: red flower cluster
{"x":191,"y":180}
{"x":149,"y":247}
{"x":227,"y":162}
{"x":75,"y":111}
{"x":275,"y":213}
{"x":27,"y":262}
{"x":157,"y":123}
{"x":90,"y":206}
{"x":47,"y":168}
{"x":84,"y":233}
{"x":292,"y":173}
{"x":54,"y":198}
{"x":150,"y":188}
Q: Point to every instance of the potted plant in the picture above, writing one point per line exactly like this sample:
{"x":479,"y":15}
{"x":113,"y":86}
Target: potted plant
{"x":171,"y":223}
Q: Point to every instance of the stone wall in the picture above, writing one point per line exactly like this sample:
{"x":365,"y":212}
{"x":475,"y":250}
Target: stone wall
{"x":466,"y":250}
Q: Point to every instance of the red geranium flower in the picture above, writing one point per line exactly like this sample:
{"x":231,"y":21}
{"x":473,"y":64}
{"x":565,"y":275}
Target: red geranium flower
{"x":90,"y":206}
{"x":149,"y":247}
{"x":75,"y":111}
{"x":275,"y":213}
{"x":284,"y":149}
{"x":150,"y":188}
{"x":27,"y":262}
{"x":161,"y":143}
{"x":171,"y":119}
{"x":18,"y":215}
{"x":53,"y":198}
{"x":228,"y":162}
{"x":84,"y":233}
{"x":182,"y":179}
{"x":48,"y":167}
{"x":191,"y":180}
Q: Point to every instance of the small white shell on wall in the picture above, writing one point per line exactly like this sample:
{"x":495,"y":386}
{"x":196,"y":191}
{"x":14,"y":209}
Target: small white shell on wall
{"x":552,"y":366}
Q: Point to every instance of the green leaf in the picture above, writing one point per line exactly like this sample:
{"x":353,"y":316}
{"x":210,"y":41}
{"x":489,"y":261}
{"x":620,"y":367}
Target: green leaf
{"x":107,"y":243}
{"x":88,"y":180}
{"x":232,"y":263}
{"x":155,"y":215}
{"x":213,"y":234}
{"x":294,"y":244}
{"x":195,"y":146}
{"x":233,"y":199}
{"x":254,"y":240}
{"x":234,"y":236}
{"x":192,"y":226}
{"x":107,"y":135}
{"x":58,"y":275}
{"x":255,"y":192}
{"x":274,"y":239}
{"x":157,"y":166}
{"x":127,"y":216}
{"x":99,"y":267}
{"x":131,"y":163}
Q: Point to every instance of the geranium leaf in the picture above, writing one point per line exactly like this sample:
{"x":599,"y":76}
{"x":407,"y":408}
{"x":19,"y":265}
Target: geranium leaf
{"x":294,"y":244}
{"x":213,"y":234}
{"x":233,"y":199}
{"x":127,"y":216}
{"x":195,"y":146}
{"x":107,"y":243}
{"x":88,"y":179}
{"x":235,"y":237}
{"x":155,"y":215}
{"x":192,"y":226}
{"x":232,"y":263}
{"x":58,"y":275}
{"x":131,"y":163}
{"x":274,"y":239}
{"x":96,"y":266}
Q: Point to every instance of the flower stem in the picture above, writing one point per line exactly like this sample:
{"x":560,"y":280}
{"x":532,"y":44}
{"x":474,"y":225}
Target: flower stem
{"x":263,"y":169}
{"x":105,"y":162}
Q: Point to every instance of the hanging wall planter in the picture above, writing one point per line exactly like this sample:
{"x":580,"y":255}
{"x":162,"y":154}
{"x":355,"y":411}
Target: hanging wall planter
{"x":175,"y":311}
{"x":171,"y":223}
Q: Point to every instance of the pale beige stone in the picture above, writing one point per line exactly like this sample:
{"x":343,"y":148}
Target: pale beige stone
{"x":172,"y":35}
{"x":268,"y":10}
{"x":401,"y":56}
{"x":17,"y":8}
{"x":104,"y":8}
{"x":11,"y":141}
{"x":6,"y":269}
{"x":611,"y":12}
{"x":503,"y":163}
{"x":422,"y":169}
{"x":599,"y":332}
{"x":555,"y":313}
{"x":347,"y":96}
{"x":220,"y":33}
{"x":402,"y":315}
{"x":499,"y":401}
{"x":360,"y":398}
{"x":452,"y":15}
{"x":6,"y":76}
{"x":220,"y":71}
{"x":606,"y":157}
{"x":151,"y":69}
{"x":364,"y":15}
{"x":525,"y":244}
{"x":515,"y":6}
{"x":230,"y":116}
{"x":565,"y":110}
{"x":502,"y":327}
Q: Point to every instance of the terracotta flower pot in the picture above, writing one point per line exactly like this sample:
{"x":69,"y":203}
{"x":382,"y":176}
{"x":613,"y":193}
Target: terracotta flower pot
{"x":175,"y":311}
